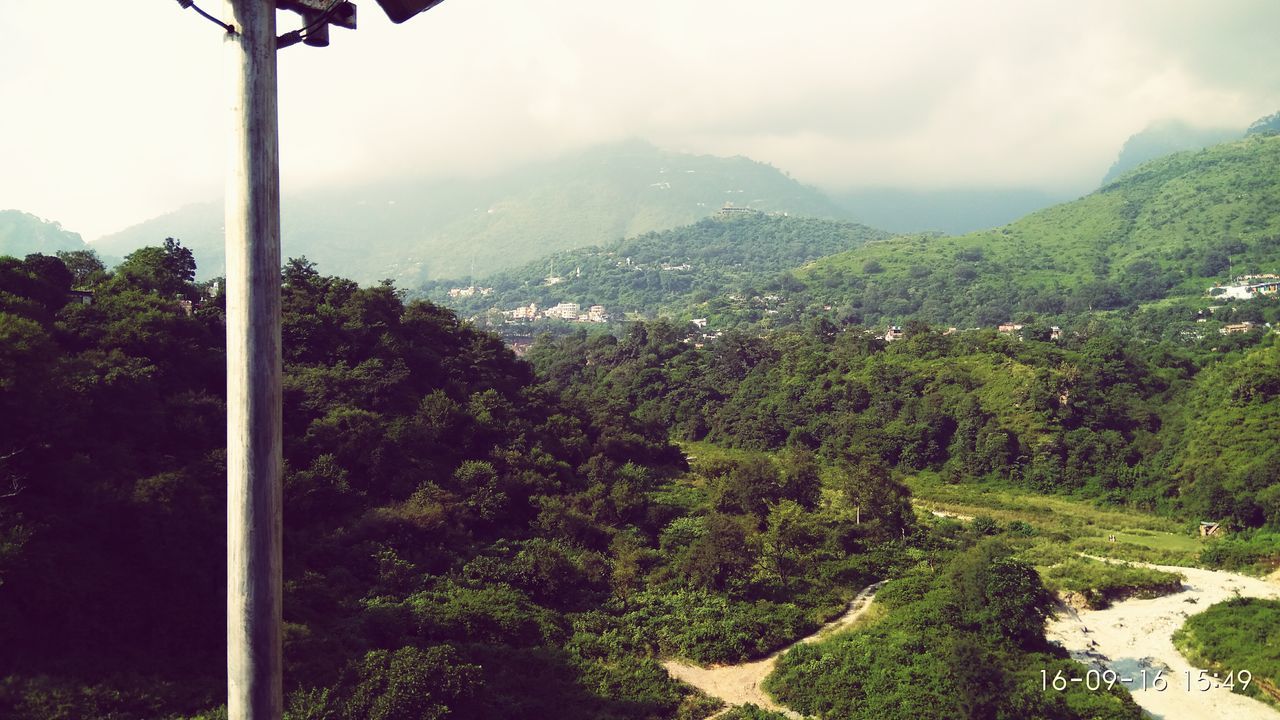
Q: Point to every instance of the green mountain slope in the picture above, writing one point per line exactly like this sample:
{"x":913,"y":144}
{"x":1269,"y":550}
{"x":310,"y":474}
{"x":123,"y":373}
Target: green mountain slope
{"x":697,"y":269}
{"x":413,"y":231}
{"x":1226,"y":446}
{"x":23,"y":233}
{"x":1170,"y":228}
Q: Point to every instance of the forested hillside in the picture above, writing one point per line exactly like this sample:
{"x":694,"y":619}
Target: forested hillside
{"x":1185,"y":431}
{"x":417,"y":229}
{"x":22,"y":233}
{"x":464,"y":537}
{"x":716,"y":267}
{"x":1171,"y":228}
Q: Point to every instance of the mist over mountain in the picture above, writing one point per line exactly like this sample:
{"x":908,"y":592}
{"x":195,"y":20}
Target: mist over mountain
{"x":23,"y":233}
{"x":417,"y":230}
{"x":953,"y":211}
{"x":1165,"y":138}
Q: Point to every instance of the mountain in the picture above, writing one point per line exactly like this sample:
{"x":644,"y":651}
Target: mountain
{"x":1170,"y":228}
{"x":1269,"y":125}
{"x":689,"y":270}
{"x":417,"y":230}
{"x":953,"y":211}
{"x":23,"y":233}
{"x":1164,"y":138}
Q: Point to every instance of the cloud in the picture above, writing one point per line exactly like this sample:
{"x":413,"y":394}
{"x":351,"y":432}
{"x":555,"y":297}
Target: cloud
{"x":121,"y":109}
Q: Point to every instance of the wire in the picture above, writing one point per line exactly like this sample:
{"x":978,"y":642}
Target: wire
{"x":191,"y":4}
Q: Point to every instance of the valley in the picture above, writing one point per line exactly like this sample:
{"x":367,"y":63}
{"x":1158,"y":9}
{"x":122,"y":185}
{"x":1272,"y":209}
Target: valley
{"x":746,"y":465}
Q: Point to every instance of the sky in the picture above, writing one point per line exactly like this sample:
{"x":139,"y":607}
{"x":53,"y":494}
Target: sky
{"x":116,"y":112}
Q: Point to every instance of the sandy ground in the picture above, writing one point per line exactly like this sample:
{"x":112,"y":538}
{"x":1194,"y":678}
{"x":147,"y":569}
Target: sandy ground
{"x":1134,"y":635}
{"x":740,"y":684}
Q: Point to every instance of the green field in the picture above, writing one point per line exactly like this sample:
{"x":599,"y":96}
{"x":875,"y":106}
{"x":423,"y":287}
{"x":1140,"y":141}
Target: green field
{"x":1081,"y":525}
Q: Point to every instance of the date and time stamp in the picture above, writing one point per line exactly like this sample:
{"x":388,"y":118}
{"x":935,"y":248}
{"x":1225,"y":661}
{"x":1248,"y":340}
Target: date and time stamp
{"x":1149,"y":679}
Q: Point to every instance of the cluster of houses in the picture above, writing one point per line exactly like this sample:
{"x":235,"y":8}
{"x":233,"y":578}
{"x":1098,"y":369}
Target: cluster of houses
{"x":1233,"y":328}
{"x":895,"y":331}
{"x":572,"y":312}
{"x":1247,"y":287}
{"x":471,"y":291}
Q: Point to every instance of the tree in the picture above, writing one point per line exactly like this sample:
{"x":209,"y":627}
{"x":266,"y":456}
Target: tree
{"x":86,"y":267}
{"x":877,"y":499}
{"x":721,"y":555}
{"x":167,"y":270}
{"x":789,"y":534}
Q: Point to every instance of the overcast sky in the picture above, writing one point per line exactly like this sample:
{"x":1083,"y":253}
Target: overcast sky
{"x":113,"y":112}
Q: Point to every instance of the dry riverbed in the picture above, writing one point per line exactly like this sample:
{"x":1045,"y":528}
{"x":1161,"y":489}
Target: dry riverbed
{"x":1136,"y":635}
{"x":740,"y":684}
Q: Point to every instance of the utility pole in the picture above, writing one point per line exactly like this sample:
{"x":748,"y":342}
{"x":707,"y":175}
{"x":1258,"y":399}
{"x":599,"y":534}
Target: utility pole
{"x":254,"y":368}
{"x":254,"y":464}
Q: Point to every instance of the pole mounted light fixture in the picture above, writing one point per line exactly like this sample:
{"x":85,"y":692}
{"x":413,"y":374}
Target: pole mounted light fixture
{"x":318,"y":15}
{"x":401,"y":10}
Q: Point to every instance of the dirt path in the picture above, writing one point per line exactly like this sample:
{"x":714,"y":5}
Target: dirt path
{"x":740,"y":684}
{"x":1136,"y":635}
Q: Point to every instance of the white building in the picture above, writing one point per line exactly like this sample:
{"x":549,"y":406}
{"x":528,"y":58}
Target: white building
{"x":567,"y":311}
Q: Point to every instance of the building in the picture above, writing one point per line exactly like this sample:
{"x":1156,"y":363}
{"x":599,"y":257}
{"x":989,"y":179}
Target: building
{"x":1055,"y":333}
{"x":79,"y":297}
{"x":565,"y":310}
{"x":893,"y":333}
{"x":471,"y":291}
{"x":1009,"y":328}
{"x":730,"y":210}
{"x":1210,"y":529}
{"x":524,"y":312}
{"x":1230,"y":292}
{"x":1233,"y":328}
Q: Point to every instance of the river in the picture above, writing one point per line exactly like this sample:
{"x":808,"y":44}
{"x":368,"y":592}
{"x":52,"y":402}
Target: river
{"x":1136,"y":635}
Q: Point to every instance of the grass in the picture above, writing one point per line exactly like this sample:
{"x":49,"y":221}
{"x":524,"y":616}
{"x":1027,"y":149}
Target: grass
{"x":1102,"y":583}
{"x":1083,"y":526}
{"x":1063,"y":529}
{"x":1238,"y":634}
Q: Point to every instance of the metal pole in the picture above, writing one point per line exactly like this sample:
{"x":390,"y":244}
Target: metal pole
{"x":253,"y":367}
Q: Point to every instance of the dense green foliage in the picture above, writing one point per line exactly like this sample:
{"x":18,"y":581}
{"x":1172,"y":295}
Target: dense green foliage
{"x":459,"y":537}
{"x":1123,"y":421}
{"x":1238,"y":634}
{"x":962,"y":639}
{"x":1252,"y":550}
{"x":724,"y":269}
{"x":422,"y":460}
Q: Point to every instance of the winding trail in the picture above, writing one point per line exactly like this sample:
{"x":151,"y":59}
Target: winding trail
{"x":1136,"y":635}
{"x":740,"y":684}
